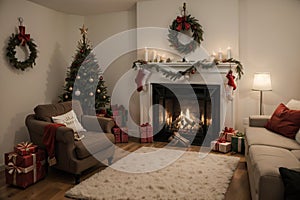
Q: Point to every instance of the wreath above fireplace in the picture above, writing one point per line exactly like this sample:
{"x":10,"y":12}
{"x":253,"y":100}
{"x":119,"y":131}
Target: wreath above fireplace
{"x":185,"y":23}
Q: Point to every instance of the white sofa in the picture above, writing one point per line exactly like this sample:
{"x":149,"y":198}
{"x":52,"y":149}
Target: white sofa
{"x":265,"y":152}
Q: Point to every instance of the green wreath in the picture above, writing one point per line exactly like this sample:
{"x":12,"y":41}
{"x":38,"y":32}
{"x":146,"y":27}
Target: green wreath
{"x":185,"y":23}
{"x":11,"y":53}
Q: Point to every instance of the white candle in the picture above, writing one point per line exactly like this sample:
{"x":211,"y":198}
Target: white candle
{"x":228,"y":53}
{"x":214,"y":55}
{"x":146,"y":54}
{"x":154,"y":55}
{"x":220,"y":54}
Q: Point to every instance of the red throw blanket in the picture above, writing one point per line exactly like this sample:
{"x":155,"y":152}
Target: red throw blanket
{"x":49,"y":141}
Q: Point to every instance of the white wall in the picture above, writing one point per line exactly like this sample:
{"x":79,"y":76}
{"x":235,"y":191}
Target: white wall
{"x":102,"y":27}
{"x":219,"y":19}
{"x":56,"y":36}
{"x":269,"y":41}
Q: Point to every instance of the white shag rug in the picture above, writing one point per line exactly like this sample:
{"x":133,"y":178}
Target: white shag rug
{"x":189,"y":177}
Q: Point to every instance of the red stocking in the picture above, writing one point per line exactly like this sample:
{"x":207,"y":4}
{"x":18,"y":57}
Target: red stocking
{"x":231,"y":78}
{"x":230,"y":85}
{"x":141,"y":78}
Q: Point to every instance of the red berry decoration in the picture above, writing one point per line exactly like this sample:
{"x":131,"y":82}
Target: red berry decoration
{"x":101,"y":78}
{"x":193,"y":71}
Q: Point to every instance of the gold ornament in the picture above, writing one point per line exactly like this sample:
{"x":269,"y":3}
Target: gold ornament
{"x":70,"y":88}
{"x":104,"y":97}
{"x":98,"y":90}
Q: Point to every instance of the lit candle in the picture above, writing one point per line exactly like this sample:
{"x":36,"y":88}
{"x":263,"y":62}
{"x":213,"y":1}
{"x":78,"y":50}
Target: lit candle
{"x":146,"y":54}
{"x":228,"y":53}
{"x":220,"y":54}
{"x":154,"y":55}
{"x":214,"y":55}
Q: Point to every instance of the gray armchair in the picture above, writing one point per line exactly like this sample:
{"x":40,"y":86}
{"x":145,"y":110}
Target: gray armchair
{"x":74,"y":156}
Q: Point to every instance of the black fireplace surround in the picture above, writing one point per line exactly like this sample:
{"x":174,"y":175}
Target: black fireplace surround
{"x":191,"y":110}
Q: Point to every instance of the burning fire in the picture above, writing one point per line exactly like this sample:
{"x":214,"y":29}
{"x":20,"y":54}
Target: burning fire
{"x":186,"y":121}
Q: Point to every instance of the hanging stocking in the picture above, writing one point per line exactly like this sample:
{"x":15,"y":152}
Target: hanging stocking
{"x":230,"y":85}
{"x":141,"y":78}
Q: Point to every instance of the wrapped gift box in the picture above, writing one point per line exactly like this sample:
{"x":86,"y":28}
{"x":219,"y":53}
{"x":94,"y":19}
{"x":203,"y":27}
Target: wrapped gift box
{"x":238,"y":144}
{"x":143,"y":133}
{"x":150,"y":133}
{"x":223,"y":147}
{"x":146,"y":133}
{"x":124,"y":134}
{"x":121,"y":134}
{"x":227,"y":134}
{"x":117,"y":134}
{"x":25,"y":148}
{"x":23,"y":171}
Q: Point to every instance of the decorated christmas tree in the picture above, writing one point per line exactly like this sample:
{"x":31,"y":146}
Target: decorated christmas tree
{"x":84,"y":81}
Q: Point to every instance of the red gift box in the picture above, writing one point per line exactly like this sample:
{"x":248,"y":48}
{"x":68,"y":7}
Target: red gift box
{"x":124,"y":134}
{"x":117,"y":134}
{"x":23,"y":171}
{"x":25,"y":148}
{"x":143,"y":132}
{"x":121,"y":134}
{"x":150,"y":133}
{"x":146,"y":132}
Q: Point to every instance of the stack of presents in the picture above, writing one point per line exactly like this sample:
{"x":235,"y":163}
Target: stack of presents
{"x":24,"y":166}
{"x":120,"y":130}
{"x":146,"y":133}
{"x":229,"y":140}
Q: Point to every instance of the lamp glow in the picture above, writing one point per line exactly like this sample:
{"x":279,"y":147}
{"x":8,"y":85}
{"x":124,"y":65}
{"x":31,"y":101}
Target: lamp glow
{"x":262,"y":82}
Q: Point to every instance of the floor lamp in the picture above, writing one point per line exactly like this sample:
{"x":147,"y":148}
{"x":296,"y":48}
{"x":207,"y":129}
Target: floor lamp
{"x":262,"y":82}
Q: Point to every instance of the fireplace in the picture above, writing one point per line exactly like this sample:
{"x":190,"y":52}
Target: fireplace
{"x":191,"y":111}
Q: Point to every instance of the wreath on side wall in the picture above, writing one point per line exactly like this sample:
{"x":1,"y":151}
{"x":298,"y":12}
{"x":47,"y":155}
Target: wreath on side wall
{"x":185,"y":23}
{"x":17,"y":40}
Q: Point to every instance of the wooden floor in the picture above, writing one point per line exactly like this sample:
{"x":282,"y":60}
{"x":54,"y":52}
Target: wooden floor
{"x":54,"y":186}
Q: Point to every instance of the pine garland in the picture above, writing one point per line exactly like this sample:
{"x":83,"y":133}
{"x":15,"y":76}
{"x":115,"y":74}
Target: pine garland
{"x":205,"y":64}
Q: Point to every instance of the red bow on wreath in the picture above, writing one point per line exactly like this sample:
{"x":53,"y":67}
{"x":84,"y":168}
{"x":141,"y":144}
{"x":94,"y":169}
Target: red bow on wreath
{"x":24,"y":38}
{"x":182,"y":24}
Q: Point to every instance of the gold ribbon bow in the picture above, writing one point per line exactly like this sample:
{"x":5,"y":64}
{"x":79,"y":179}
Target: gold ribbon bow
{"x":25,"y":145}
{"x":12,"y":168}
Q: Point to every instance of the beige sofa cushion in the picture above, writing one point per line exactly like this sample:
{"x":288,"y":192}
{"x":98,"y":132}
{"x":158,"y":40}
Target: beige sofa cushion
{"x":262,"y":136}
{"x":296,"y":153}
{"x":293,"y":104}
{"x":265,"y":161}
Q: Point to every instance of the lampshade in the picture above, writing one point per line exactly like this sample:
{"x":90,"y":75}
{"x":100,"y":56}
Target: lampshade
{"x":262,"y":81}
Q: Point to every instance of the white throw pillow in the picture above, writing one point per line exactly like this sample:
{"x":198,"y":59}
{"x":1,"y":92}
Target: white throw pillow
{"x":293,"y":104}
{"x":297,"y":137}
{"x":70,"y":120}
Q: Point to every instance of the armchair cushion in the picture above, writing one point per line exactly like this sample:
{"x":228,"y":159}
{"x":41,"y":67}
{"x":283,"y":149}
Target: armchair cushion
{"x":93,"y":143}
{"x":70,"y":120}
{"x":45,"y":112}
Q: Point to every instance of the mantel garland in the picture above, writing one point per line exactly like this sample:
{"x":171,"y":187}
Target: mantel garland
{"x":185,"y":23}
{"x":17,"y":40}
{"x":205,"y":64}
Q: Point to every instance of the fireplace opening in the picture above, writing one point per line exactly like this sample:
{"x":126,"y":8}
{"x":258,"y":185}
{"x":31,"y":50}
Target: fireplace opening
{"x":191,"y":117}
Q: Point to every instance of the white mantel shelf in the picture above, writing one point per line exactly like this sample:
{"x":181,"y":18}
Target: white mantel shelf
{"x":219,"y":68}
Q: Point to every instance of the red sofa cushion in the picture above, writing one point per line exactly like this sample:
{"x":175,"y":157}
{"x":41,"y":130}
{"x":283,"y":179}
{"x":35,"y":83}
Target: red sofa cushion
{"x":284,"y":121}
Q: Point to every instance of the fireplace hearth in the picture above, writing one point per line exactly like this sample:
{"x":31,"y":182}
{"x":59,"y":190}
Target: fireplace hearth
{"x":191,"y":111}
